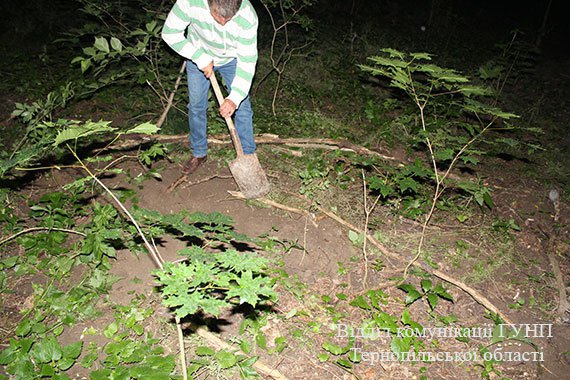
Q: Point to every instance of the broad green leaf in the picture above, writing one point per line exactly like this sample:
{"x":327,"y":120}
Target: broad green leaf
{"x":354,"y":356}
{"x":393,"y":53}
{"x":420,"y":56}
{"x":353,"y":236}
{"x":491,"y":70}
{"x":250,"y":289}
{"x":440,"y":291}
{"x":111,"y":330}
{"x":240,"y":262}
{"x":7,"y":356}
{"x":475,"y":90}
{"x":488,"y":200}
{"x":90,"y":51}
{"x":245,"y":346}
{"x":470,"y":160}
{"x":399,"y":345}
{"x":426,"y":285}
{"x":116,"y":44}
{"x":445,"y":154}
{"x":406,"y":319}
{"x":412,"y":294}
{"x":280,"y":343}
{"x":85,"y":65}
{"x":225,"y":359}
{"x":145,"y":128}
{"x":46,"y":350}
{"x":261,"y":340}
{"x":150,"y":26}
{"x":432,"y":300}
{"x":82,"y":130}
{"x":73,"y":350}
{"x":344,"y":363}
{"x":65,"y":363}
{"x":204,"y":351}
{"x":24,"y":327}
{"x":291,"y":313}
{"x":407,"y":183}
{"x":47,"y":371}
{"x":334,"y":349}
{"x":101,"y":44}
{"x":360,"y":302}
{"x":246,"y":368}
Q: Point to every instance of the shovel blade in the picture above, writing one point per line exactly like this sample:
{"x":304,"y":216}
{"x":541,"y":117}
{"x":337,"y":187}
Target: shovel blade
{"x":249,"y":176}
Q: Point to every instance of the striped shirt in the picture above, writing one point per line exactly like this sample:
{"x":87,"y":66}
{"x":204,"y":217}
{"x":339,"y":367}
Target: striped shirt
{"x":206,"y":40}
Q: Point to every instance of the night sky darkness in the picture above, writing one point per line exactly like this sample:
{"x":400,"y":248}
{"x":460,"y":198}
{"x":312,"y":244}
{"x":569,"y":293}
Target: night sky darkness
{"x":29,"y":23}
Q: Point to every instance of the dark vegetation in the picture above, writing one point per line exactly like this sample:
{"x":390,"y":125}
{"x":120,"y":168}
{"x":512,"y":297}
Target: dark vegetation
{"x":454,"y":175}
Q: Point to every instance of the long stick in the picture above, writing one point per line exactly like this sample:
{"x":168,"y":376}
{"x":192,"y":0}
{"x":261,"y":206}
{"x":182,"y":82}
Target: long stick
{"x":258,"y":365}
{"x":153,"y":252}
{"x":271,"y":139}
{"x":162,"y":117}
{"x":476,"y":295}
{"x":36,"y":229}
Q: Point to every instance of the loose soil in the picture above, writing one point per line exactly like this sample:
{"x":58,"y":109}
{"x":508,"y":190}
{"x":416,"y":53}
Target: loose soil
{"x":318,"y":272}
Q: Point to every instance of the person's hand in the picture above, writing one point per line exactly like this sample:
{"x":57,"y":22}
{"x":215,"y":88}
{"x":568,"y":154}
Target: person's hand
{"x":228,"y":108}
{"x":208,"y":70}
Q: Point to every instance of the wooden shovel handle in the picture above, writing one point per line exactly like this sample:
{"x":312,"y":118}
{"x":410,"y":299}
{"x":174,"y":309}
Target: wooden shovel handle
{"x":229,"y":121}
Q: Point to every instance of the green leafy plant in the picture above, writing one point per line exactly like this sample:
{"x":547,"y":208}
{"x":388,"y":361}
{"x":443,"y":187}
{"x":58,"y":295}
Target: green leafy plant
{"x":223,"y":360}
{"x":211,"y":282}
{"x":131,"y":353}
{"x":39,"y":358}
{"x":431,"y":293}
{"x":441,"y":96}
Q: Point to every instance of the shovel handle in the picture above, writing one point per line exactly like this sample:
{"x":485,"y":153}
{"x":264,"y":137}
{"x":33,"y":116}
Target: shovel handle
{"x":233,"y":132}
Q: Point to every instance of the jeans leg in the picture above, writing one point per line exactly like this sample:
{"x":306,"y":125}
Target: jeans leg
{"x":198,"y":87}
{"x":244,"y":114}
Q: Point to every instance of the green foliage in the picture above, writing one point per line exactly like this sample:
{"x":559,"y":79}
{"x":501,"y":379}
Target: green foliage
{"x":212,"y":282}
{"x":453,"y":118}
{"x":431,"y":293}
{"x":454,"y":123}
{"x":515,"y":60}
{"x":403,"y":187}
{"x":39,"y":358}
{"x":131,"y":353}
{"x":216,"y":361}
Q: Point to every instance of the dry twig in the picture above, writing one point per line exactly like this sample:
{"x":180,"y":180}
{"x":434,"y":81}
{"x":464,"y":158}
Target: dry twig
{"x":476,"y":295}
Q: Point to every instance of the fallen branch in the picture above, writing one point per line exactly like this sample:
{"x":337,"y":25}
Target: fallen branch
{"x":563,"y":304}
{"x":36,"y":229}
{"x":270,"y":203}
{"x":162,"y":117}
{"x":550,"y":245}
{"x":178,"y":182}
{"x":476,"y":295}
{"x":222,"y":345}
{"x":482,"y":300}
{"x":130,"y":141}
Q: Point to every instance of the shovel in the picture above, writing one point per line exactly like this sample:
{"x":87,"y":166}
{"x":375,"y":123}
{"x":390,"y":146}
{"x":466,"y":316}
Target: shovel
{"x":245,"y":169}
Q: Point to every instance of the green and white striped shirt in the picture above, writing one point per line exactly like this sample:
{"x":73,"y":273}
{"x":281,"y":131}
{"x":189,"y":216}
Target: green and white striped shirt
{"x":207,"y":41}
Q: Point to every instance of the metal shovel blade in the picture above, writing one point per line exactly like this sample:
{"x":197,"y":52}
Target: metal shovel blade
{"x":249,"y":176}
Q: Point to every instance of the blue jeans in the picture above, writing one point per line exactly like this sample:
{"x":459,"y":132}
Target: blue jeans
{"x":198,"y":86}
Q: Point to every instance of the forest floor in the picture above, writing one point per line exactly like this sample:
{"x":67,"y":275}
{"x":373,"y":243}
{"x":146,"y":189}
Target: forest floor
{"x":325,"y":271}
{"x":326,"y":279}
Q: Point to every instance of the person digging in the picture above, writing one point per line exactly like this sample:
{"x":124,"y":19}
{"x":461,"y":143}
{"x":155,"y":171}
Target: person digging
{"x":221,"y":36}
